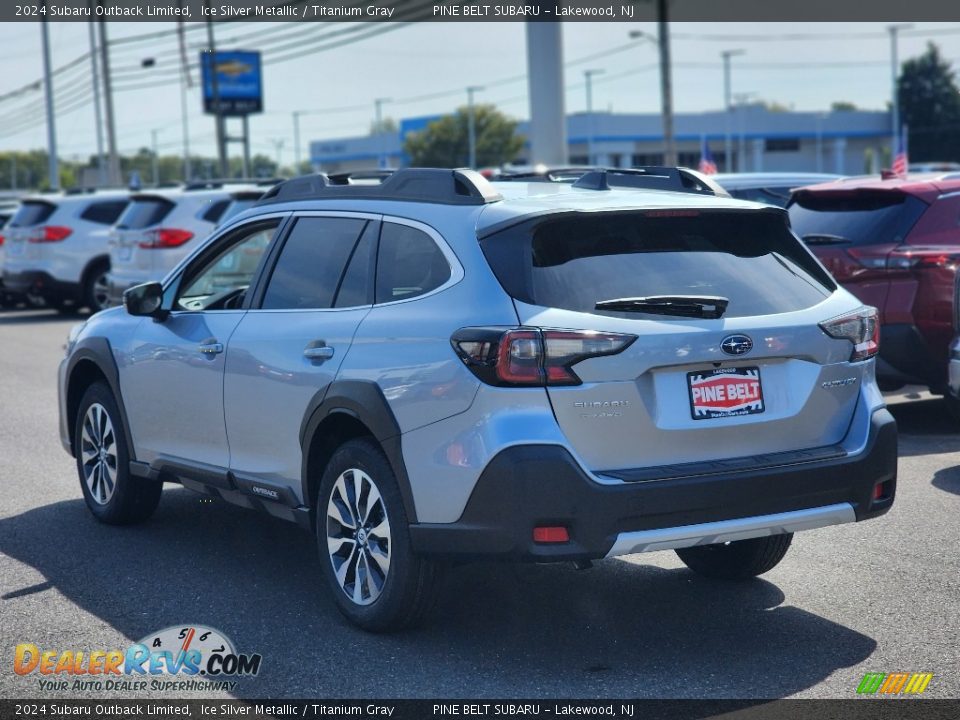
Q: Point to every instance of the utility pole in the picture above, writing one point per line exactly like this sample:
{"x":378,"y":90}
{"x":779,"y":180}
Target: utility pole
{"x":184,"y":83}
{"x":215,"y":83}
{"x":472,"y":126}
{"x":894,"y":73}
{"x":156,"y":158}
{"x":52,"y":165}
{"x":548,"y":121}
{"x":666,"y":84}
{"x":296,"y":139}
{"x":97,"y":117}
{"x":378,"y":129}
{"x":588,"y":77}
{"x":728,"y":107}
{"x":278,"y":146}
{"x":113,"y":160}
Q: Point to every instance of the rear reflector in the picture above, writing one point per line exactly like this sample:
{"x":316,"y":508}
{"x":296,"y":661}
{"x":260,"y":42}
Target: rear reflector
{"x":551,"y":534}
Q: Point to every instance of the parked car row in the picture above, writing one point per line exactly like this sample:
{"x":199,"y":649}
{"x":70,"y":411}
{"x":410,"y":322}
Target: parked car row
{"x":82,"y":249}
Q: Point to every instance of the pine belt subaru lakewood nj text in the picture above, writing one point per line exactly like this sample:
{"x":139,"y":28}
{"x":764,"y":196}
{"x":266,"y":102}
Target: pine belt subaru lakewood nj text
{"x":435,"y":367}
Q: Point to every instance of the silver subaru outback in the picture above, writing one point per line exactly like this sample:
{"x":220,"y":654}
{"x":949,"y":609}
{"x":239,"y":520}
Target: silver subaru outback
{"x":434,"y":367}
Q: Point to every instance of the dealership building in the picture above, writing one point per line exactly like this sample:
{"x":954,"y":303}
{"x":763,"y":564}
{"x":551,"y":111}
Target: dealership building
{"x":759,"y":139}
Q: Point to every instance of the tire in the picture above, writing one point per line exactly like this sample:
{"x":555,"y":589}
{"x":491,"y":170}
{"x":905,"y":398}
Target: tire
{"x":738,"y":560}
{"x":112,"y":494}
{"x":377,"y":599}
{"x":96,"y":290}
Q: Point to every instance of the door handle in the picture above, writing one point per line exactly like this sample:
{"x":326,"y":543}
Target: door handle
{"x":213,"y":348}
{"x":318,"y":352}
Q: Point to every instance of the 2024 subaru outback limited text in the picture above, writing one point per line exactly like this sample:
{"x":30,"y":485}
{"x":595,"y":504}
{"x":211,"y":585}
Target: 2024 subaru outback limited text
{"x":437,"y":367}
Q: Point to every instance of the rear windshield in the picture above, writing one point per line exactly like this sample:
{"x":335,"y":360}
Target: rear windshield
{"x":576,"y":261}
{"x":215,"y":211}
{"x":854,"y":219}
{"x":144,"y":212}
{"x":32,"y":212}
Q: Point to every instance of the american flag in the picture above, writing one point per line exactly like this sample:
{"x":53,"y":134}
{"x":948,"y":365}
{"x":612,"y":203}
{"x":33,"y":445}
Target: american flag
{"x":900,"y":160}
{"x":707,"y":165}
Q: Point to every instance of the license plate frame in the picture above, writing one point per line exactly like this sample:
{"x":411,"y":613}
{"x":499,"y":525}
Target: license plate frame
{"x":709,"y":395}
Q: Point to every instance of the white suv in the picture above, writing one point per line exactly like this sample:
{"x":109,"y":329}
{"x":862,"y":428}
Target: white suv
{"x":160,"y":228}
{"x":57,"y":247}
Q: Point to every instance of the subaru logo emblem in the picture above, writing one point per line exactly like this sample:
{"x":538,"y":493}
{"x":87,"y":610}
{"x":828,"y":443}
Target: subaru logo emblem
{"x":736,"y":344}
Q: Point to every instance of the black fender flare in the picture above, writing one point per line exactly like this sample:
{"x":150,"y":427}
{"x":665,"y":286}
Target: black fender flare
{"x":98,"y":351}
{"x":364,"y":401}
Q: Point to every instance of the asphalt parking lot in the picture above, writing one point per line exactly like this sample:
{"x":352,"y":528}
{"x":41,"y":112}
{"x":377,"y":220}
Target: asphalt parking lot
{"x":881,"y":596}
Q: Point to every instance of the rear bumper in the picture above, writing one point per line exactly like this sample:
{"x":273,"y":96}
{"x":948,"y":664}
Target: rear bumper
{"x":535,"y":485}
{"x":40,"y":283}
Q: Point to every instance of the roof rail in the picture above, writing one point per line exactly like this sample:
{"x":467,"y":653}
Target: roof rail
{"x":675,"y":179}
{"x":433,"y":185}
{"x":218,"y":183}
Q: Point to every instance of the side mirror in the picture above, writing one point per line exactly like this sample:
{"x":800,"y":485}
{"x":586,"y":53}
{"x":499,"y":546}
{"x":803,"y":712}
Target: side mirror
{"x":144,"y":300}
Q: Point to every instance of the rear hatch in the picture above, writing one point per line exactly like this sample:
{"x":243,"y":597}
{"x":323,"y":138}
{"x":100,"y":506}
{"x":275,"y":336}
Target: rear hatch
{"x":855,"y":234}
{"x":25,"y":229}
{"x":136,"y":230}
{"x":761,"y":379}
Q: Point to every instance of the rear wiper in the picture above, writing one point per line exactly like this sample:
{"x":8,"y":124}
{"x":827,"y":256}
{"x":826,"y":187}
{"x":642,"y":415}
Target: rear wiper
{"x":824,"y":239}
{"x":699,"y":306}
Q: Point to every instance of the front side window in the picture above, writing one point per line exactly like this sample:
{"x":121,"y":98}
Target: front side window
{"x":409,"y":263}
{"x":220,"y":282}
{"x":312,"y":263}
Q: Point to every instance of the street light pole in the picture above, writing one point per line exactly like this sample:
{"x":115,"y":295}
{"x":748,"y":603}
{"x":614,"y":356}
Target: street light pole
{"x":727,"y":107}
{"x":97,"y":118}
{"x":894,"y":72}
{"x":113,"y":160}
{"x":52,"y":164}
{"x":378,"y":129}
{"x":472,"y":126}
{"x":588,"y":77}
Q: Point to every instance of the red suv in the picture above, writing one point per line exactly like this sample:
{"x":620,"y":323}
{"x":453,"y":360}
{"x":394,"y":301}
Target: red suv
{"x":895,"y":244}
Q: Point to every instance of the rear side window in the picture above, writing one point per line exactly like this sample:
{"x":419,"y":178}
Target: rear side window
{"x":215,"y":211}
{"x":575,"y":262}
{"x":237,"y":205}
{"x":144,"y":212}
{"x":868,"y":218}
{"x":409,"y":263}
{"x":32,"y":212}
{"x":312,"y":263}
{"x":104,"y":213}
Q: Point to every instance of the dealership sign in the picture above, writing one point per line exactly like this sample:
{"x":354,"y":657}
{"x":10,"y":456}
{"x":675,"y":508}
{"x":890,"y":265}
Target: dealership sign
{"x":239,"y":82}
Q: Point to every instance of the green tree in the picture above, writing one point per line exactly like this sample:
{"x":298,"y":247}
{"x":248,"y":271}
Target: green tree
{"x":445,"y":142}
{"x":930,"y":106}
{"x":842,"y":106}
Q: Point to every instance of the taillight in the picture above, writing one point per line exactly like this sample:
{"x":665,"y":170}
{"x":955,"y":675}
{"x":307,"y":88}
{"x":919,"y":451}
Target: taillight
{"x":164,"y":238}
{"x":909,"y":259}
{"x":50,"y":233}
{"x":861,"y":327}
{"x":1,"y":240}
{"x":532,"y":356}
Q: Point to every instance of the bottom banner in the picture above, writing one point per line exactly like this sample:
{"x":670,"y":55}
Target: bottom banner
{"x":862,"y":709}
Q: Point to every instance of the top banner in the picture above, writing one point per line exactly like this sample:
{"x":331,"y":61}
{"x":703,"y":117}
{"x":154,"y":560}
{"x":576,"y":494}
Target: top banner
{"x":481,"y":10}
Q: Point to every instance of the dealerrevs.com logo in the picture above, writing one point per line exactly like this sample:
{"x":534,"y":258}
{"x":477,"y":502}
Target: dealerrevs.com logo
{"x":181,"y":657}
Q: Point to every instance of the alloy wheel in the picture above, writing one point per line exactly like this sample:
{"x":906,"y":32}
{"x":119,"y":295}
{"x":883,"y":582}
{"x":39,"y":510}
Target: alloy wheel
{"x":98,"y":453}
{"x":358,"y":536}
